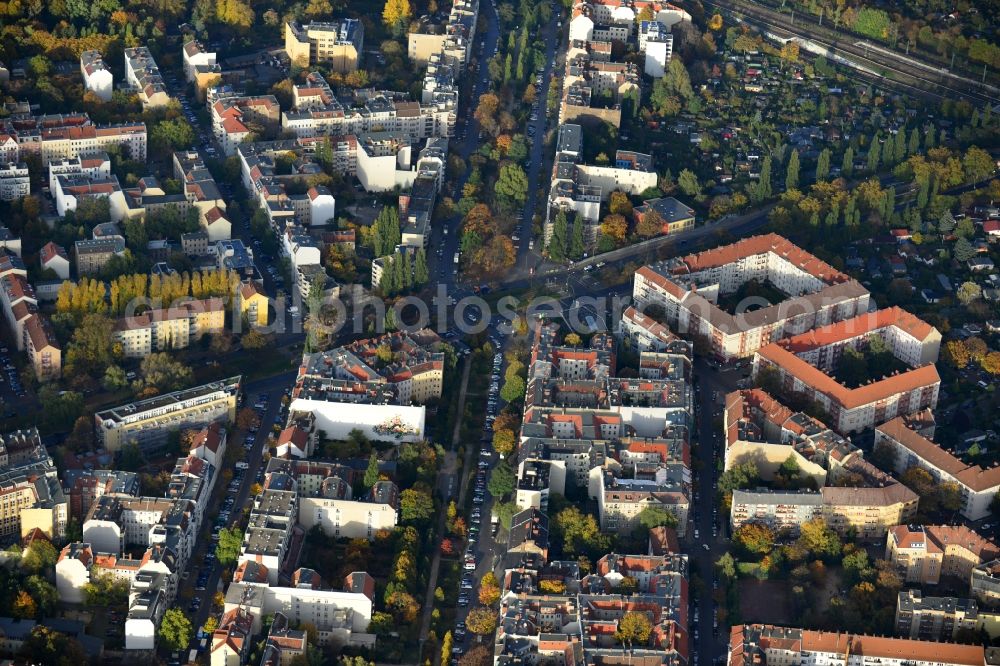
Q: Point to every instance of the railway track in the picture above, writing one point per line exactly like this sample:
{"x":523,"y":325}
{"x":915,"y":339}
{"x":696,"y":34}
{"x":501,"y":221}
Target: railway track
{"x":875,"y":64}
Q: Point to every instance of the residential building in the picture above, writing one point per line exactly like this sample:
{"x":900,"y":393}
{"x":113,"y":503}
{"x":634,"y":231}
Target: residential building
{"x":92,"y":255}
{"x":923,"y":554}
{"x":909,"y":448}
{"x":803,"y":364}
{"x":339,"y":617}
{"x":200,"y":66}
{"x":641,"y":333}
{"x":42,"y":348}
{"x":339,"y":516}
{"x":175,"y":327}
{"x":344,"y":390}
{"x":56,"y":137}
{"x":72,"y":190}
{"x":672,"y":215}
{"x":234,"y":119}
{"x":147,"y":422}
{"x":656,"y":44}
{"x":94,"y":167}
{"x":317,"y":112}
{"x":867,"y":512}
{"x":54,"y":258}
{"x":202,"y":192}
{"x":689,"y":288}
{"x":9,"y":243}
{"x":339,"y":44}
{"x":253,"y":303}
{"x":97,"y":78}
{"x":934,"y":618}
{"x":761,"y":643}
{"x":14,"y":181}
{"x":143,"y":74}
{"x":31,"y":497}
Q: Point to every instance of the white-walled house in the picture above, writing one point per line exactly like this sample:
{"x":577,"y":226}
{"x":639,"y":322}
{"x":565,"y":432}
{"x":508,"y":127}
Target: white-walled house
{"x":97,"y":78}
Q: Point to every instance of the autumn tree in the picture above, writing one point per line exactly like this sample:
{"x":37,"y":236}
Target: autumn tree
{"x":650,"y":224}
{"x":396,"y":15}
{"x":504,"y":441}
{"x":755,"y":538}
{"x":486,"y":112}
{"x":619,"y":203}
{"x":481,"y":620}
{"x":633,"y":628}
{"x":489,"y":589}
{"x":615,"y":228}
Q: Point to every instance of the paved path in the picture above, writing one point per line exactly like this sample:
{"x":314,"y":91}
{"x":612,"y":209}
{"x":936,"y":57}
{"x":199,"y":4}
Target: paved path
{"x":447,"y":470}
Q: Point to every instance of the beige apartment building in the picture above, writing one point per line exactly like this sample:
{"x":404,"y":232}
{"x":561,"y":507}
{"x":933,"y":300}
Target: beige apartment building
{"x":340,"y":44}
{"x":170,"y":328}
{"x":922,"y":554}
{"x":148,"y":422}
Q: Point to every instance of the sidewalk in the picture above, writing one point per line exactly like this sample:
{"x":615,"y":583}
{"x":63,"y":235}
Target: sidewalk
{"x":448,"y":468}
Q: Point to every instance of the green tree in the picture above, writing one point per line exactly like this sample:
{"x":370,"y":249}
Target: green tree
{"x":420,"y":273}
{"x":161,"y":372}
{"x":513,"y":389}
{"x":416,"y":504}
{"x":89,"y":350}
{"x":963,"y":250}
{"x":502,"y":481}
{"x":169,"y":135}
{"x":559,"y":240}
{"x":633,"y":628}
{"x":792,"y":172}
{"x":40,"y":557}
{"x":874,"y":152}
{"x":655,"y":516}
{"x":577,"y":246}
{"x":818,"y":539}
{"x":175,"y":629}
{"x":512,"y":186}
{"x":823,"y":165}
{"x":371,"y":474}
{"x":913,"y":146}
{"x":688,"y":182}
{"x":230,"y":542}
{"x":847,"y":165}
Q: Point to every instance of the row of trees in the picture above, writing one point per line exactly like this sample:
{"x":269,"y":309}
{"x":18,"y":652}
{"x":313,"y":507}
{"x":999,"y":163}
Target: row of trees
{"x":122,"y":295}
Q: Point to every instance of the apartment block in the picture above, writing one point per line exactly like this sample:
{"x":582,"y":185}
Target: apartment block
{"x":53,"y":258}
{"x":235,"y":119}
{"x":804,"y":363}
{"x":147,"y":422}
{"x":200,"y":66}
{"x":175,"y":327}
{"x":689,"y":288}
{"x":910,"y":448}
{"x":760,"y":429}
{"x":92,"y":255}
{"x":71,"y":191}
{"x":31,"y":496}
{"x":578,"y":189}
{"x":340,"y":44}
{"x":14,"y":181}
{"x":56,"y":137}
{"x":143,"y":74}
{"x":201,"y":191}
{"x":641,"y":333}
{"x":942,"y":618}
{"x":97,"y":78}
{"x":761,"y":643}
{"x":923,"y":554}
{"x":868,"y":512}
{"x":348,"y":387}
{"x":317,"y":112}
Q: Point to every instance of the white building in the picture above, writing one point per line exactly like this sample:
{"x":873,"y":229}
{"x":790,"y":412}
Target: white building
{"x":143,"y":74}
{"x":338,"y":616}
{"x":340,"y":516}
{"x":384,"y":162}
{"x":195,"y":58}
{"x":95,"y":166}
{"x":143,"y":619}
{"x":71,"y":190}
{"x":53,"y":257}
{"x":73,"y":571}
{"x":14,"y":181}
{"x":97,"y":78}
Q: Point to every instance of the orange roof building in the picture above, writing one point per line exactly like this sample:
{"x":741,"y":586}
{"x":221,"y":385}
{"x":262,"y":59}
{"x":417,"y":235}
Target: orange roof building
{"x":804,"y":363}
{"x":758,"y":644}
{"x":910,"y":448}
{"x":689,"y":290}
